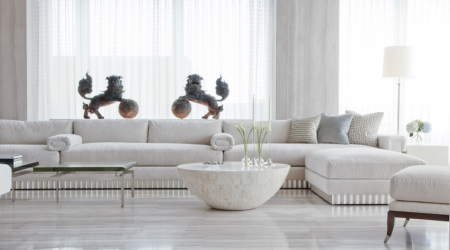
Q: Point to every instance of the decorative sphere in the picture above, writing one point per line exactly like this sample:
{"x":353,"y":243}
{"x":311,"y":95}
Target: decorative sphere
{"x":181,"y":108}
{"x":129,"y":108}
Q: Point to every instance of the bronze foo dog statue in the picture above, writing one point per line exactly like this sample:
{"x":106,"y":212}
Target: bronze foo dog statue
{"x":128,"y":108}
{"x":194,"y":93}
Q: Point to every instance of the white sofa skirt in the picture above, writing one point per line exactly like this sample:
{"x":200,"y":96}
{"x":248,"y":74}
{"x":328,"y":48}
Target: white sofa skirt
{"x":347,"y":191}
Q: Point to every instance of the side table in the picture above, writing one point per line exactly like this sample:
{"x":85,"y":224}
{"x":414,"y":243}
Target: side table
{"x":433,"y":155}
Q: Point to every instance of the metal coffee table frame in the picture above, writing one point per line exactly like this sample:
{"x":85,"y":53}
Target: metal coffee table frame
{"x":61,"y":175}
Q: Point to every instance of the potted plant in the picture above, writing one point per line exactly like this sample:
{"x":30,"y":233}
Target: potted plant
{"x":415,"y":127}
{"x":261,"y":133}
{"x":245,"y":137}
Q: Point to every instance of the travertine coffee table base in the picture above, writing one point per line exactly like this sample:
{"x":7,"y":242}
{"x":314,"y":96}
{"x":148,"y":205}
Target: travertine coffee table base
{"x":231,"y":186}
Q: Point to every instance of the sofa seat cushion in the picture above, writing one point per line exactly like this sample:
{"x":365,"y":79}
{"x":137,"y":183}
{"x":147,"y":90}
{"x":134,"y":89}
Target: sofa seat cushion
{"x":288,"y":153}
{"x":144,"y":154}
{"x":422,"y":184}
{"x":359,"y":163}
{"x":32,"y":153}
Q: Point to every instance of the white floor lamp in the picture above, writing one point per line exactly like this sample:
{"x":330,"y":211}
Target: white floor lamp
{"x":398,"y":63}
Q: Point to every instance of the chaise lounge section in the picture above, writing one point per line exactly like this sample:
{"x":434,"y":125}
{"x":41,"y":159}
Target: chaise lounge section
{"x":355,"y":176}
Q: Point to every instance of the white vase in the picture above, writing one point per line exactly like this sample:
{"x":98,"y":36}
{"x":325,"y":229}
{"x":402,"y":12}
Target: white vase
{"x":246,"y":161}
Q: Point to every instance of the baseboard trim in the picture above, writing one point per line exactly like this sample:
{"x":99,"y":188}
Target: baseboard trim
{"x":353,"y":199}
{"x":140,"y":184}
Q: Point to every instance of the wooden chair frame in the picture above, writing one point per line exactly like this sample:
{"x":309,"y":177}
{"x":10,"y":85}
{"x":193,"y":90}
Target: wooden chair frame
{"x":408,"y":215}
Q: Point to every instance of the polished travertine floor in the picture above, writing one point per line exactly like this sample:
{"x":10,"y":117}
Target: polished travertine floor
{"x":174,"y":219}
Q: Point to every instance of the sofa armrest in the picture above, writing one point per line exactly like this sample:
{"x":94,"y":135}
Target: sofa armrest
{"x":222,"y":142}
{"x":395,"y":143}
{"x":5,"y":178}
{"x":63,"y":142}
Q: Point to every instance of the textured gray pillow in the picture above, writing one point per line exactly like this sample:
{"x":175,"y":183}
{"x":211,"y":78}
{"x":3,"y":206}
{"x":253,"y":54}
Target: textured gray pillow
{"x":364,"y":128}
{"x":304,"y":130}
{"x":334,"y":129}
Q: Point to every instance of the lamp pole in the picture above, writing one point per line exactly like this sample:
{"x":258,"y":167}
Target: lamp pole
{"x":398,"y":108}
{"x":398,"y":63}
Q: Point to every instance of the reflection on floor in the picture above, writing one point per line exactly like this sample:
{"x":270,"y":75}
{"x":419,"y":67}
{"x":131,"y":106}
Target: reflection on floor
{"x":175,"y":219}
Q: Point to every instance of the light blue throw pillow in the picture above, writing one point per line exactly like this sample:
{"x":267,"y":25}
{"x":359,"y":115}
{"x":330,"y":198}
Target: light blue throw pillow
{"x":334,"y":129}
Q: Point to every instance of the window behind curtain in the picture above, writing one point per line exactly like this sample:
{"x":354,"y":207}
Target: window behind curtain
{"x":366,"y":27}
{"x":154,"y":45}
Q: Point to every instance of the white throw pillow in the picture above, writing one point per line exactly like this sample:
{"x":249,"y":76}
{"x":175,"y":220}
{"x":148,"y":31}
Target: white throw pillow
{"x":222,"y":142}
{"x":304,"y":130}
{"x":364,"y":128}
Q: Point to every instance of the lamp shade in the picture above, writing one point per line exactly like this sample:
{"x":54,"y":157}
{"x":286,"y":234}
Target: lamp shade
{"x":398,"y":62}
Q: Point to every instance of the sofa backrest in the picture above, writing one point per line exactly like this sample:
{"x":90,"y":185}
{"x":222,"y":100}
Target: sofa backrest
{"x":137,"y":131}
{"x":110,"y":130}
{"x":280,"y":130}
{"x":183,"y":131}
{"x":32,"y":132}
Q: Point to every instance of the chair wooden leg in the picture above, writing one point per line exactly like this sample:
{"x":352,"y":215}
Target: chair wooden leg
{"x":406,"y":222}
{"x":409,"y":215}
{"x":390,"y":225}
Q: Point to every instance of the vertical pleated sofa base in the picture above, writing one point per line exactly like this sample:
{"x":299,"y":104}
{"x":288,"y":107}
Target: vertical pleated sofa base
{"x":350,"y":192}
{"x":146,"y":177}
{"x":37,"y":184}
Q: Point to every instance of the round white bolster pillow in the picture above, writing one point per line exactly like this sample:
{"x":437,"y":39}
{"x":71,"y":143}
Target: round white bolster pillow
{"x":222,"y":141}
{"x":63,"y":142}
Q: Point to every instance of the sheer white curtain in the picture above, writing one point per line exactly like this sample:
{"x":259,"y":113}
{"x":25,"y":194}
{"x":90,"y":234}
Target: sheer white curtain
{"x":366,"y":27}
{"x":154,"y":45}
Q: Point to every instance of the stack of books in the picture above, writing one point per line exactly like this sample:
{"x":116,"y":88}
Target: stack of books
{"x":13,"y":160}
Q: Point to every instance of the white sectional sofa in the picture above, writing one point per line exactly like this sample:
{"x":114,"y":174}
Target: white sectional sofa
{"x":157,"y":146}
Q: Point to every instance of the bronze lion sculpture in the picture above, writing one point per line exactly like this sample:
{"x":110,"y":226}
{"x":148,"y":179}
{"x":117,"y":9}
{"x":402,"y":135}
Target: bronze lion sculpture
{"x":194,"y":93}
{"x":128,"y":108}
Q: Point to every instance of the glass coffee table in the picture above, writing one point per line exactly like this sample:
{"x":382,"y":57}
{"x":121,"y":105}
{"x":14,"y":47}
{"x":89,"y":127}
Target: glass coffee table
{"x":17,"y":171}
{"x":97,"y":172}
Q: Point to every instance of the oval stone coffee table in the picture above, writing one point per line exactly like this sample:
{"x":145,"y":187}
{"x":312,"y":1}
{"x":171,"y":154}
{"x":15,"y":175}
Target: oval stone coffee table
{"x":230,"y":186}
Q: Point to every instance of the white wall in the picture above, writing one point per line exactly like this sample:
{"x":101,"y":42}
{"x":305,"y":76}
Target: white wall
{"x":13,"y":60}
{"x":307,"y":58}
